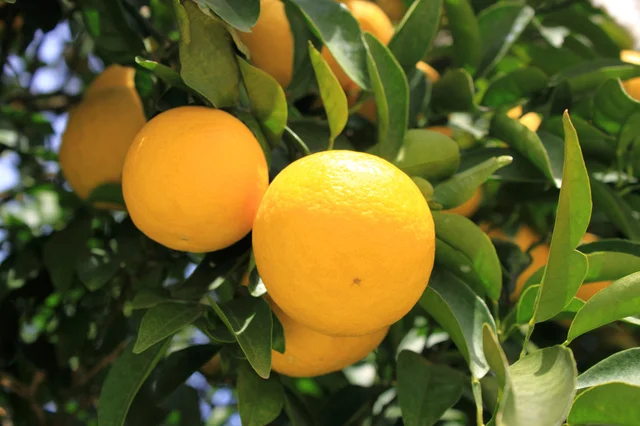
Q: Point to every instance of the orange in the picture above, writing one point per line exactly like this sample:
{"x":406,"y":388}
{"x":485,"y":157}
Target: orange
{"x":587,"y":291}
{"x":632,"y":86}
{"x":193,"y":179}
{"x":270,"y":42}
{"x":344,"y":242}
{"x":395,"y":9}
{"x":100,"y":131}
{"x":515,"y":112}
{"x":531,"y":121}
{"x":429,"y":71}
{"x":469,"y":207}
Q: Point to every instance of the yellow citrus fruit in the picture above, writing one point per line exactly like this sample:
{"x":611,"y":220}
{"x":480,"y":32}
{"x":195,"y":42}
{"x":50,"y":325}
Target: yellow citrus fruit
{"x":100,"y":130}
{"x":344,"y":242}
{"x":395,"y":9}
{"x":429,"y":71}
{"x":193,"y":179}
{"x":469,"y":207}
{"x":270,"y":42}
{"x":587,"y":291}
{"x":515,"y":112}
{"x":531,"y":121}
{"x":632,"y":85}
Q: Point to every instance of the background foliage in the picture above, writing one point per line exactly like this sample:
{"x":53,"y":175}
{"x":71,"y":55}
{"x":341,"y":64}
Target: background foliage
{"x":99,"y":323}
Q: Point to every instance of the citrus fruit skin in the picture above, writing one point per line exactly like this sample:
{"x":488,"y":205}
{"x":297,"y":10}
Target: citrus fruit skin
{"x":429,"y":71}
{"x":100,"y":130}
{"x":344,"y":242}
{"x":308,"y":353}
{"x":193,"y":179}
{"x":632,"y":85}
{"x":270,"y":42}
{"x":395,"y":9}
{"x":469,"y":207}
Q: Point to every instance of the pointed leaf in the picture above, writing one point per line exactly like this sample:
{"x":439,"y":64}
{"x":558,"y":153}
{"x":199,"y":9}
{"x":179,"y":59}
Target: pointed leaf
{"x":302,"y":77}
{"x":62,"y":249}
{"x":619,"y":300}
{"x":268,"y":102}
{"x":612,"y":245}
{"x":249,"y":319}
{"x":592,"y":141}
{"x":454,"y":92}
{"x":164,"y":320}
{"x":608,"y":266}
{"x":428,"y":154}
{"x":461,"y":313}
{"x":415,"y":33}
{"x":609,"y":404}
{"x":612,"y":107}
{"x":518,"y":84}
{"x":239,"y":14}
{"x":587,"y":76}
{"x":163,"y":72}
{"x":616,"y":209}
{"x":127,"y":374}
{"x":425,"y":390}
{"x":260,"y":401}
{"x":179,"y":366}
{"x":467,"y":44}
{"x":333,"y":97}
{"x":621,"y":367}
{"x":207,"y":60}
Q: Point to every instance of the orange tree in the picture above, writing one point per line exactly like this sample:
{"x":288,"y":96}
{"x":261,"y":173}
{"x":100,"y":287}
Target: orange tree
{"x":314,"y":212}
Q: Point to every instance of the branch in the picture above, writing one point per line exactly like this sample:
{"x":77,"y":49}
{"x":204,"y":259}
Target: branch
{"x":27,"y":392}
{"x":102,"y":364}
{"x":143,"y":23}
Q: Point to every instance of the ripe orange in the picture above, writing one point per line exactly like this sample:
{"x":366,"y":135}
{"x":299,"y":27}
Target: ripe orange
{"x":429,"y":71}
{"x":394,"y":8}
{"x":193,"y":179}
{"x":100,"y":131}
{"x":632,"y":85}
{"x":344,"y":242}
{"x":270,"y":42}
{"x":469,"y":207}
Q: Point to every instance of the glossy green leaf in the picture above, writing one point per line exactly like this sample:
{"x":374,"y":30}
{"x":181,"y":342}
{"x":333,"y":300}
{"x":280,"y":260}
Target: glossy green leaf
{"x":179,"y":366}
{"x":612,"y":106}
{"x":592,"y":141}
{"x":425,"y":390}
{"x":315,"y":134}
{"x":163,"y":72}
{"x":628,"y":137}
{"x":461,"y":186}
{"x":621,"y":367}
{"x":499,"y":365}
{"x":259,"y":129}
{"x":268,"y":102}
{"x":543,"y":387}
{"x":551,"y":60}
{"x":333,"y":97}
{"x":461,"y":313}
{"x":278,"y":342}
{"x":500,"y":26}
{"x":415,"y":33}
{"x":619,"y":300}
{"x":566,"y":267}
{"x":467,"y":44}
{"x":125,"y":377}
{"x":239,"y":14}
{"x":302,"y":77}
{"x":207,"y":60}
{"x":525,"y":141}
{"x":476,"y":260}
{"x":426,"y":189}
{"x":107,"y":193}
{"x":147,"y":298}
{"x":587,"y":76}
{"x":607,"y":266}
{"x":454,"y":92}
{"x":391,"y":93}
{"x":324,"y":18}
{"x":260,"y":401}
{"x":249,"y":319}
{"x":609,"y":404}
{"x":96,"y":270}
{"x":61,"y":251}
{"x":164,"y":320}
{"x":612,"y":244}
{"x":428,"y":154}
{"x":518,"y":84}
{"x":616,"y":209}
{"x":520,"y":169}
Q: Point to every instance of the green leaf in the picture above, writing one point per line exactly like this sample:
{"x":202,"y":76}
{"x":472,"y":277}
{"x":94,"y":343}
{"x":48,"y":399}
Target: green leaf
{"x":520,"y":169}
{"x":249,"y":120}
{"x":467,"y":44}
{"x":461,"y":313}
{"x":415,"y":33}
{"x":340,"y":33}
{"x":612,"y":107}
{"x":499,"y":364}
{"x":543,"y":386}
{"x":239,"y":14}
{"x":391,"y":93}
{"x":107,"y":193}
{"x":500,"y":26}
{"x":518,"y":84}
{"x":616,"y":209}
{"x":612,"y":244}
{"x":549,"y":59}
{"x":249,"y":319}
{"x":333,"y":97}
{"x":476,"y":260}
{"x":95,"y":271}
{"x":525,"y":141}
{"x":147,"y":298}
{"x":609,"y":404}
{"x":61,"y":250}
{"x":164,"y":320}
{"x":566,"y":267}
{"x":428,"y":154}
{"x":608,"y":266}
{"x":628,"y":138}
{"x":207,"y":59}
{"x":278,"y":342}
{"x":454,"y":92}
{"x":108,"y":25}
{"x":621,"y":367}
{"x":268,"y":102}
{"x":461,"y":186}
{"x":615,"y":302}
{"x":302,"y":77}
{"x":425,"y":390}
{"x":127,"y":374}
{"x":179,"y":366}
{"x":260,"y":401}
{"x":592,"y":141}
{"x":587,"y":76}
{"x":163,"y":72}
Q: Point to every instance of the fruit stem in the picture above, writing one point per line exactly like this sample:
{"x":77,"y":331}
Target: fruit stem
{"x":331,"y":142}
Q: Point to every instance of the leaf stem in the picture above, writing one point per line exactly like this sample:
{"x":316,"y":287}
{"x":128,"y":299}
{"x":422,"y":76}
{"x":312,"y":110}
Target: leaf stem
{"x":530,"y":328}
{"x":331,"y":143}
{"x":477,"y":397}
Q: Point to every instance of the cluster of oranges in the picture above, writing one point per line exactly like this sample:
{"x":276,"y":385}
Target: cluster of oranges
{"x":344,"y":241}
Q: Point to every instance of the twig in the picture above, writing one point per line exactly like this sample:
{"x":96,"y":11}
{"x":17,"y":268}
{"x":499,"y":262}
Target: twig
{"x":103,"y":363}
{"x":27,"y":392}
{"x":143,"y":23}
